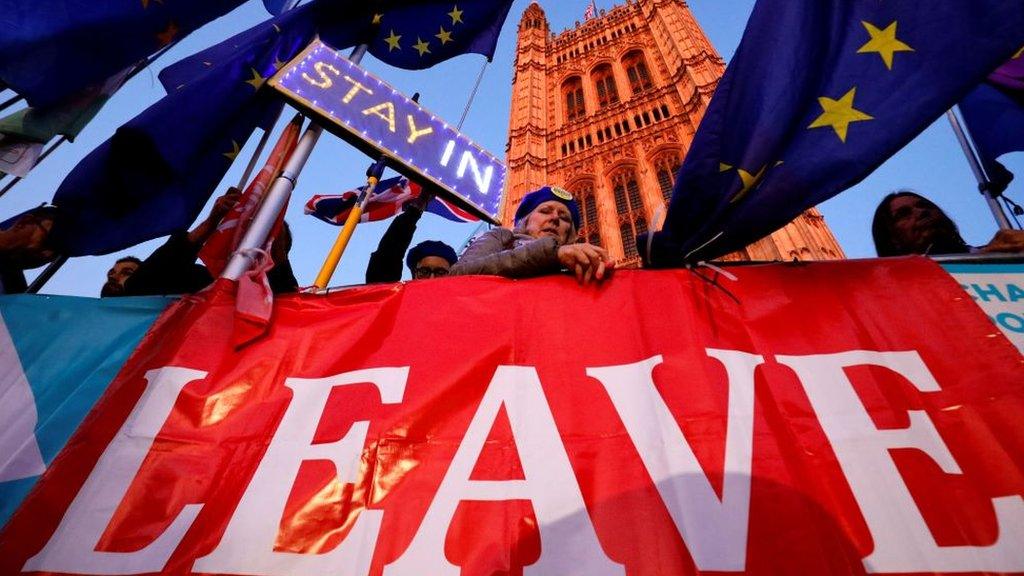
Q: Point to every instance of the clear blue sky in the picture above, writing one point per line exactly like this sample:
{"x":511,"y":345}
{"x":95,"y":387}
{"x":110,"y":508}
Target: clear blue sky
{"x":933,"y":164}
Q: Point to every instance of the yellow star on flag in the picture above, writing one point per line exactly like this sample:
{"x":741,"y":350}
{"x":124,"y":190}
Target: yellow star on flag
{"x":167,"y":36}
{"x":883,"y":42}
{"x":1018,"y":54}
{"x":444,"y":36}
{"x":723,"y":167}
{"x":256,"y":81}
{"x":235,"y":149}
{"x":750,"y":181}
{"x":421,"y":46}
{"x":456,"y":15}
{"x":377,"y":18}
{"x":839,"y":114}
{"x":393,"y":41}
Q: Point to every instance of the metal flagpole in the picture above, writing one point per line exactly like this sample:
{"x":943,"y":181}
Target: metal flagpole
{"x":984,"y":185}
{"x":278,"y":195}
{"x":46,"y":274}
{"x":472,"y":95}
{"x":10,"y":102}
{"x":256,"y":155}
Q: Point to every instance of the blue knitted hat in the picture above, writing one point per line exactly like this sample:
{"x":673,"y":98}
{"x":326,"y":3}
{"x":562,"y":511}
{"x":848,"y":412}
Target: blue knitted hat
{"x":538,"y":197}
{"x":430,"y":248}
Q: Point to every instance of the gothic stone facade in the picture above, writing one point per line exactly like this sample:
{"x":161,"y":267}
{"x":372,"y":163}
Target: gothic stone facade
{"x":608,"y":110}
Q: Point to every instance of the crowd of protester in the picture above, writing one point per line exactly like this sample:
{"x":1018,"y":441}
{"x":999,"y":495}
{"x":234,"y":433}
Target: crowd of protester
{"x":542,"y":241}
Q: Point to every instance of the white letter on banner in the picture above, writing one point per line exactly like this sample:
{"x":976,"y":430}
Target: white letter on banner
{"x":72,"y":548}
{"x":248,"y":543}
{"x":902,"y":540}
{"x":568,"y":542}
{"x":714,"y":530}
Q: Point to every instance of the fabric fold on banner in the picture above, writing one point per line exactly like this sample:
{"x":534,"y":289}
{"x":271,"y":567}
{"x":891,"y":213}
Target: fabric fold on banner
{"x":816,"y":97}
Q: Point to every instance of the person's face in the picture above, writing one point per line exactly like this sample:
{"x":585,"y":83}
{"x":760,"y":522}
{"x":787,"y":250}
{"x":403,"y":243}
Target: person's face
{"x":552,"y":218}
{"x":28,"y":239}
{"x":917,"y":225}
{"x":431,"y":267}
{"x":117,"y":276}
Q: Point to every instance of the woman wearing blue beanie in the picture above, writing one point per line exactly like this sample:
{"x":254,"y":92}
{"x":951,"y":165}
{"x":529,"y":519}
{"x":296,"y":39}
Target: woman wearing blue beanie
{"x":542,"y":242}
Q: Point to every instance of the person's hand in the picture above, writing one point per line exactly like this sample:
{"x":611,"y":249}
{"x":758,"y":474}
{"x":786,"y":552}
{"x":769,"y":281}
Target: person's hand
{"x":420,"y":202}
{"x":224,"y":204}
{"x":1011,"y":241}
{"x":586,"y":261}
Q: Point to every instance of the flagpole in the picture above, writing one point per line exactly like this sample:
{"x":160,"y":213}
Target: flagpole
{"x":256,"y":155}
{"x":10,"y":102}
{"x":277,"y":197}
{"x":984,"y":185}
{"x":46,"y":274}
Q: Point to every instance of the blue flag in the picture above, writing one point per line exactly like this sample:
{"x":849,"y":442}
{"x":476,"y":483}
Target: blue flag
{"x":52,"y":49}
{"x":156,"y":173}
{"x":817,"y":96}
{"x":418,"y":35}
{"x":994,"y":112}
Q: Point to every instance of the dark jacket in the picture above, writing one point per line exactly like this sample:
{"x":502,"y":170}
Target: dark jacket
{"x":172,"y":269}
{"x":502,"y":252}
{"x":386,"y":261}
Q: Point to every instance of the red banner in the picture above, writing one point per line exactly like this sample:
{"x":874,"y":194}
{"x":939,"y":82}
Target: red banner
{"x":829,"y":418}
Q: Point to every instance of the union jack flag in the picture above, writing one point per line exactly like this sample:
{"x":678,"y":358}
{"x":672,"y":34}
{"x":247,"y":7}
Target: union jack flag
{"x":385,"y":202}
{"x":591,"y":11}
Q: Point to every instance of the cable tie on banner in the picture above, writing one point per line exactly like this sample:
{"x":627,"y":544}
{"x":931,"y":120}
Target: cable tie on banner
{"x":717,"y":269}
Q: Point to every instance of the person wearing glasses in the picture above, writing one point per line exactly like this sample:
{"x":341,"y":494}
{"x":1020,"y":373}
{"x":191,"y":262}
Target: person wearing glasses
{"x":430,"y":259}
{"x":544,"y":241}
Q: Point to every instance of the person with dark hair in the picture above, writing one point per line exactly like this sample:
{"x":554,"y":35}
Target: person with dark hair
{"x":25,"y":244}
{"x":118,"y":274}
{"x":427,"y":259}
{"x":172,"y":268}
{"x":542,"y":242}
{"x":907,"y":223}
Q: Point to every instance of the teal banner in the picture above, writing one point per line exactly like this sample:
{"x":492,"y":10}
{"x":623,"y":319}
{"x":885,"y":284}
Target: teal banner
{"x":57,"y":356}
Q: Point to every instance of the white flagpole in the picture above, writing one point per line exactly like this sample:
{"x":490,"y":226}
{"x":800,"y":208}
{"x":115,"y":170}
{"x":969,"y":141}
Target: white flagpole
{"x":277,"y":197}
{"x":979,"y":173}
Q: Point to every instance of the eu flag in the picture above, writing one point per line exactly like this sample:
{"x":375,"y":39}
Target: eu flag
{"x":819,"y":94}
{"x":994,"y":112}
{"x":52,"y":49}
{"x":417,"y":35}
{"x":158,"y":170}
{"x":156,"y":173}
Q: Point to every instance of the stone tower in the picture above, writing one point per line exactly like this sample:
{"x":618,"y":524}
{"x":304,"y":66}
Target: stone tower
{"x":608,"y":110}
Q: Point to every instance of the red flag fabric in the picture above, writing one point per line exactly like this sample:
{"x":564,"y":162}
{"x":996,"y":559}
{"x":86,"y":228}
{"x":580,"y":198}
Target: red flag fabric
{"x":218,"y":249}
{"x":823,"y":418}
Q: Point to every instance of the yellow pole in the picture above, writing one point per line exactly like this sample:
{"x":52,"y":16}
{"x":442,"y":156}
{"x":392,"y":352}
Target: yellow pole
{"x":341,"y":242}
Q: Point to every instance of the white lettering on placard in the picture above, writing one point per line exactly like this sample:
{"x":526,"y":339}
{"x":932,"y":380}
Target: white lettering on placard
{"x":569,"y":544}
{"x":483,"y":181}
{"x":248,"y":543}
{"x":714,"y":530}
{"x":72,"y":548}
{"x":903,"y":542}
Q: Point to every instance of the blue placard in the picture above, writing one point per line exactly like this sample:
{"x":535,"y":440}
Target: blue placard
{"x":378,"y":119}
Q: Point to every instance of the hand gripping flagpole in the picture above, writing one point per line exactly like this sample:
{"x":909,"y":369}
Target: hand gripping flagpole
{"x":277,"y":198}
{"x":984,"y":184}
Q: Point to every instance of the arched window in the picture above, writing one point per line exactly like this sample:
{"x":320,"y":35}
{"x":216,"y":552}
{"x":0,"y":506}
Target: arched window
{"x":604,"y":80}
{"x":666,"y":167}
{"x":590,"y":227}
{"x":636,"y":71}
{"x":572,"y":95}
{"x":630,"y":209}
